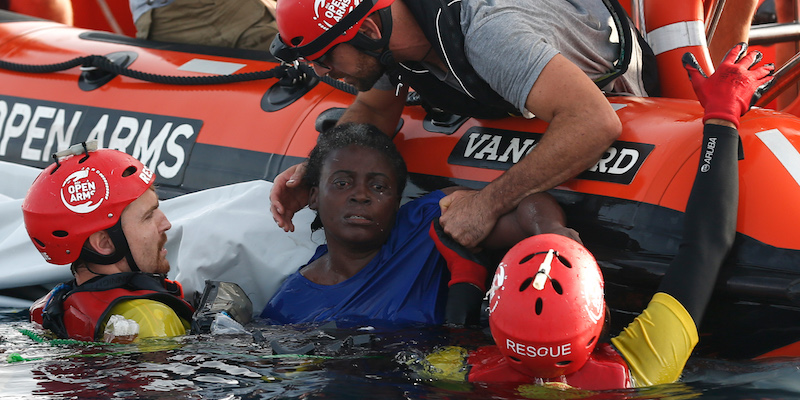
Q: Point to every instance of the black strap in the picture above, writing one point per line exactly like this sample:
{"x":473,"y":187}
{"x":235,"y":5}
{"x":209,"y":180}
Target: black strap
{"x":53,"y":313}
{"x":625,"y":35}
{"x":649,"y":69}
{"x":336,"y":30}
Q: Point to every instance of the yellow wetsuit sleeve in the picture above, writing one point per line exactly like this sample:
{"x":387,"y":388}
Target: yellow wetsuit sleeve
{"x":658,"y":342}
{"x":155,"y":319}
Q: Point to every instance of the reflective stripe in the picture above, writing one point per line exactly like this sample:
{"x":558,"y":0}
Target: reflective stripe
{"x":677,"y":35}
{"x":783,"y":150}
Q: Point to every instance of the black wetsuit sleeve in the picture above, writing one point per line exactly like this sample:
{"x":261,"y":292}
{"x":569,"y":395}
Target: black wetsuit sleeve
{"x":709,"y":222}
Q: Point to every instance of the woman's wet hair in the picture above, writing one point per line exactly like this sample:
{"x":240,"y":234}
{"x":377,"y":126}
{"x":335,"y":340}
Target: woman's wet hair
{"x":364,"y":135}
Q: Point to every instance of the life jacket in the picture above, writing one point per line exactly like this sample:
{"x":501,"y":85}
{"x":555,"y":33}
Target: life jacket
{"x":605,"y":369}
{"x":440,"y":22}
{"x":77,"y":311}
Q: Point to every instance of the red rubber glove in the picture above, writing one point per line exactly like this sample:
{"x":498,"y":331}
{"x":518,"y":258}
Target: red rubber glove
{"x":463,"y":266}
{"x":734,"y":87}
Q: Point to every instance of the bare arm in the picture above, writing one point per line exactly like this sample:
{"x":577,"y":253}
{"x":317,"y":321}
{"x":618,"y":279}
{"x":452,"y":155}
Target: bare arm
{"x":377,"y":107}
{"x":536,"y":214}
{"x":582,"y":126}
{"x":733,"y":27}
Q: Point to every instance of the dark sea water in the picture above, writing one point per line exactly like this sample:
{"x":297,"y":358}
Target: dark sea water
{"x":354,"y":364}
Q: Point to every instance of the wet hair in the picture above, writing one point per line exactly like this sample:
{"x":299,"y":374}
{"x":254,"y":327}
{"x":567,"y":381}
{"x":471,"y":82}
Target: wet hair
{"x":341,"y":136}
{"x":364,"y":135}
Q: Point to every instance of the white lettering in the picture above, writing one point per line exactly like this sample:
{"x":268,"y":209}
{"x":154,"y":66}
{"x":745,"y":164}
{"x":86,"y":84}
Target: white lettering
{"x":491,"y":149}
{"x":57,"y":132}
{"x":559,"y":350}
{"x":81,"y":191}
{"x":517,"y":150}
{"x":22,"y":112}
{"x":150,"y":154}
{"x":712,"y":144}
{"x":125,"y":124}
{"x":98,"y":133}
{"x":146,"y":175}
{"x":472,"y":146}
{"x":175,"y":150}
{"x":3,"y":115}
{"x":607,"y":157}
{"x":36,"y":132}
{"x":630,"y":154}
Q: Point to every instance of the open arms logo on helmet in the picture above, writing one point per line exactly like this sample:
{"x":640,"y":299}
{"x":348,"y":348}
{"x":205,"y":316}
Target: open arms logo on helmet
{"x":309,"y":29}
{"x":332,"y":11}
{"x":84,"y":190}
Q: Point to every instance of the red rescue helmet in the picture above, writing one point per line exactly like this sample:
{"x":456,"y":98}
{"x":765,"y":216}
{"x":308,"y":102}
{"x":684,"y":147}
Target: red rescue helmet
{"x":546,"y":306}
{"x":79,"y":195}
{"x":309,"y":28}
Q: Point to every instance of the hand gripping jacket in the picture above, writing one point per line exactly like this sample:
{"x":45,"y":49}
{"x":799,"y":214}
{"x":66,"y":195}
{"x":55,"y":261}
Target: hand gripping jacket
{"x":546,"y":306}
{"x":79,"y":312}
{"x":78,"y":196}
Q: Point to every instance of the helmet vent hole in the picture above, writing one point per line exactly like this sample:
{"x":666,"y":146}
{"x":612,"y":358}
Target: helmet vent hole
{"x":562,"y":364}
{"x":515,"y":359}
{"x":60,"y":234}
{"x":525,"y":284}
{"x":296,"y":40}
{"x":539,"y":305}
{"x":564,"y":261}
{"x":591,"y":341}
{"x":129,"y":171}
{"x":557,"y":286}
{"x":38,"y":242}
{"x":527,"y":258}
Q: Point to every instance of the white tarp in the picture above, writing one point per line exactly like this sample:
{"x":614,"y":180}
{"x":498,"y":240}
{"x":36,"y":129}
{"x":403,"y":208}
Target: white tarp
{"x":224,"y":234}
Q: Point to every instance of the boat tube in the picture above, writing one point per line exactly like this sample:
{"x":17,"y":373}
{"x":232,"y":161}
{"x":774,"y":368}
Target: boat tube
{"x":204,"y":117}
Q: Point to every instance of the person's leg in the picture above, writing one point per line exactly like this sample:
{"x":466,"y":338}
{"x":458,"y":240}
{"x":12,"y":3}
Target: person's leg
{"x":226,"y":23}
{"x":259,"y":36}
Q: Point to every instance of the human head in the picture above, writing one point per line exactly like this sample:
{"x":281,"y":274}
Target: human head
{"x":78,"y":195}
{"x":341,"y":136}
{"x":546,"y":306}
{"x":347,"y":135}
{"x":309,"y":28}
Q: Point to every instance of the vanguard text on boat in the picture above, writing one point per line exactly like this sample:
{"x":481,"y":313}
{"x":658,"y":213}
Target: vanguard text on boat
{"x":627,"y":207}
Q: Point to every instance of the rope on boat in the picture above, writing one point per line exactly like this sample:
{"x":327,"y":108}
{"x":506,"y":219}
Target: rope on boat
{"x":292,"y":72}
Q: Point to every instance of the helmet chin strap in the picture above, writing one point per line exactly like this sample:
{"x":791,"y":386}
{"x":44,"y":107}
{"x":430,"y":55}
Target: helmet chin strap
{"x":122,"y":250}
{"x":372,"y":47}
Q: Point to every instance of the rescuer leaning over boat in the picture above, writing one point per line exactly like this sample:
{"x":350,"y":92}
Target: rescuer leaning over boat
{"x":98,"y":210}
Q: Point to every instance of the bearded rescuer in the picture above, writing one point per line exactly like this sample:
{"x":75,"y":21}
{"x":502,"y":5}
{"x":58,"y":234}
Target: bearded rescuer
{"x":98,"y":210}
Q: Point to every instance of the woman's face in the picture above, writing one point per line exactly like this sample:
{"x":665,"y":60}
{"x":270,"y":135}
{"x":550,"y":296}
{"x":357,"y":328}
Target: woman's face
{"x":357,"y":197}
